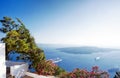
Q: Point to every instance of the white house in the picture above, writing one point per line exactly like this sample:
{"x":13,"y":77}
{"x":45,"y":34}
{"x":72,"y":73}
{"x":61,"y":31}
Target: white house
{"x":2,"y":61}
{"x":16,"y":69}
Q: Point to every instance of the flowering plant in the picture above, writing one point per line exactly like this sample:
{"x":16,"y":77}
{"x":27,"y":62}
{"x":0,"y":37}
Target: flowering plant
{"x":82,"y":73}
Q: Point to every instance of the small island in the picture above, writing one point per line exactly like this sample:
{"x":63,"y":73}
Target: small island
{"x":85,"y":50}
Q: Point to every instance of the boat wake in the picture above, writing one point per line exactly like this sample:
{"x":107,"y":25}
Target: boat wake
{"x":56,"y":60}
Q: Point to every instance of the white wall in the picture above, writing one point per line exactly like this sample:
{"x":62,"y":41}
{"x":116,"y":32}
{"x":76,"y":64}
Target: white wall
{"x":2,"y":61}
{"x":19,"y":70}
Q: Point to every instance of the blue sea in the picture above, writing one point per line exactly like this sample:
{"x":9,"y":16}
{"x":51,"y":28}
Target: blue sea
{"x":107,"y":60}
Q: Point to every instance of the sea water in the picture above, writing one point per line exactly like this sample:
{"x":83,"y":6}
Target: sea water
{"x":107,"y":60}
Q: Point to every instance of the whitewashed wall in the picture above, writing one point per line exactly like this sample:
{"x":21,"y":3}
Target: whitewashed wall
{"x":2,"y":61}
{"x":18,"y":70}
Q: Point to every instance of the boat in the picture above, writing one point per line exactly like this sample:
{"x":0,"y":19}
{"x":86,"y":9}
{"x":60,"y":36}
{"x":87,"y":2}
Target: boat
{"x":97,"y":58}
{"x":56,"y":60}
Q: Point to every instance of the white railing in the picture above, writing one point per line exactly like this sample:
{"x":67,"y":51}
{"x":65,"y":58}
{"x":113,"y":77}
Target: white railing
{"x":38,"y":76}
{"x":17,"y":69}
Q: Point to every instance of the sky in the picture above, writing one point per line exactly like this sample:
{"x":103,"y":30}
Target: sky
{"x":74,"y":22}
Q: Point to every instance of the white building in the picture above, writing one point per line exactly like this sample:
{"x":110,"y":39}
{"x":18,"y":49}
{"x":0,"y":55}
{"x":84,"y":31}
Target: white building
{"x":2,"y":61}
{"x":16,"y":69}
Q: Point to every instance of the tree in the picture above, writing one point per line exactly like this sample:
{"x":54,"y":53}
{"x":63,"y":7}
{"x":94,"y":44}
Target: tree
{"x":8,"y":25}
{"x":18,"y":39}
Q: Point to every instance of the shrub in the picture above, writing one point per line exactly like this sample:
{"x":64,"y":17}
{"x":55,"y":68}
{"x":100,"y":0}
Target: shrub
{"x":47,"y":67}
{"x":82,"y":73}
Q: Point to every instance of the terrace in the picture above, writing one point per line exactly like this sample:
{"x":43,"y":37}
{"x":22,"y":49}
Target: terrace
{"x":20,"y":69}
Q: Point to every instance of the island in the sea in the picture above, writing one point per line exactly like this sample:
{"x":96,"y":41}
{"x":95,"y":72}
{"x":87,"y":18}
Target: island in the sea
{"x":85,"y":50}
